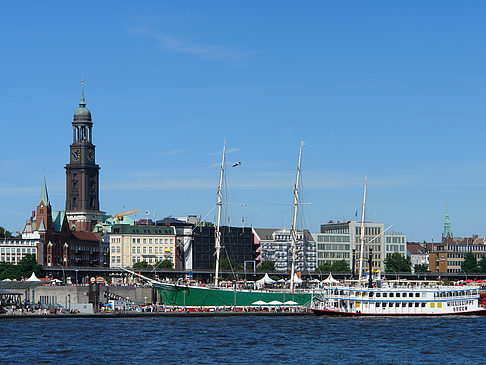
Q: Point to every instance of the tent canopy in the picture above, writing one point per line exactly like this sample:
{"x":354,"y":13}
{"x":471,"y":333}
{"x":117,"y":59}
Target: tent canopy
{"x":265,"y":280}
{"x":330,"y":280}
{"x":33,"y":278}
{"x":297,"y":280}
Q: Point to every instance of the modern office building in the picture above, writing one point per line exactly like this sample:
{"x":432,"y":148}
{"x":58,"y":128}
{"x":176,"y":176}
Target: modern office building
{"x":237,"y":246}
{"x":275,"y":245}
{"x":342,"y":241}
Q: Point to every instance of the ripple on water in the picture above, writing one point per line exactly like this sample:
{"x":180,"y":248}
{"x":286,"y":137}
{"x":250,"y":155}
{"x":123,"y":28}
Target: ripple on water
{"x":244,"y":340}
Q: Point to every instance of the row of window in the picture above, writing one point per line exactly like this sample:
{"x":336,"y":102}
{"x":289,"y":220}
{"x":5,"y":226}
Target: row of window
{"x":333,"y":255}
{"x":135,"y":259}
{"x":145,"y":249}
{"x":23,"y":250}
{"x":373,"y":231}
{"x":144,"y":240}
{"x":323,"y":238}
{"x":457,"y":248}
{"x":395,"y":239}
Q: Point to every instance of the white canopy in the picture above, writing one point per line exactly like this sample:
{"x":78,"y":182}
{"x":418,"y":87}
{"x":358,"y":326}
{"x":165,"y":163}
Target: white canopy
{"x":275,"y":302}
{"x":33,"y":277}
{"x":290,"y":302}
{"x":330,"y":280}
{"x":265,"y":280}
{"x":297,"y":280}
{"x":259,"y":302}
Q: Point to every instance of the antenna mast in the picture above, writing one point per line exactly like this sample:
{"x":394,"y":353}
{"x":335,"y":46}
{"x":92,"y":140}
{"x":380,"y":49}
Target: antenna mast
{"x":217,"y":232}
{"x":362,"y":233}
{"x":293,"y":232}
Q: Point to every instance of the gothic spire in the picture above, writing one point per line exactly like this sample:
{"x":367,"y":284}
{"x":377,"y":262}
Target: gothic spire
{"x":44,"y":198}
{"x":447,"y":225}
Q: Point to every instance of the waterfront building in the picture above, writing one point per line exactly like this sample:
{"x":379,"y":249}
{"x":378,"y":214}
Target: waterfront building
{"x":132,"y":244}
{"x":275,"y":245}
{"x":418,"y":253}
{"x":82,"y":174}
{"x":447,"y":256}
{"x":339,"y":241}
{"x":184,"y":227}
{"x":237,"y":246}
{"x":12,"y":250}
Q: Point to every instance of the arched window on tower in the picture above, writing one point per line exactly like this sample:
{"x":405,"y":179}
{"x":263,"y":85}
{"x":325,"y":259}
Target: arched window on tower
{"x":74,"y":204}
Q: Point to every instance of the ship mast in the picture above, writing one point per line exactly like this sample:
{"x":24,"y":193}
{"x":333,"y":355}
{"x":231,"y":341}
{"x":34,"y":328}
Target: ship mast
{"x":362,"y":234}
{"x":293,"y":232}
{"x":217,"y":232}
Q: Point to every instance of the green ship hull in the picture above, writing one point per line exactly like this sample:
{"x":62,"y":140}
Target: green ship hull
{"x":192,"y":296}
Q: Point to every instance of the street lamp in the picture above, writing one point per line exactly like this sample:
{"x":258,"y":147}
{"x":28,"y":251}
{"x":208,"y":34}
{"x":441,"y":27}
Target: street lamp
{"x":63,"y":275}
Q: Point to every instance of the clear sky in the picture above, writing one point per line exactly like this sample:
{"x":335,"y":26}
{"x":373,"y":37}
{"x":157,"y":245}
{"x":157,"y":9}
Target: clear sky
{"x":390,"y":90}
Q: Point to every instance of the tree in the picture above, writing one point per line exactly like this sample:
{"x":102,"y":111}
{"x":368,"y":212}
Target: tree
{"x":164,"y":264}
{"x":9,"y":271}
{"x":421,"y":268}
{"x":225,"y":264}
{"x":482,"y":264}
{"x":397,"y":263}
{"x":29,"y":265}
{"x":324,"y":267}
{"x":266,"y":266}
{"x":4,"y":233}
{"x":340,"y":266}
{"x":470,"y":264}
{"x":141,"y":265}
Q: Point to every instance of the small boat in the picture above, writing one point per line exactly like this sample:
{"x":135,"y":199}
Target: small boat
{"x":399,"y":299}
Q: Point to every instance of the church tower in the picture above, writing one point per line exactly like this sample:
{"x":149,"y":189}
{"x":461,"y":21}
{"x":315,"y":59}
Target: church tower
{"x":82,"y":174}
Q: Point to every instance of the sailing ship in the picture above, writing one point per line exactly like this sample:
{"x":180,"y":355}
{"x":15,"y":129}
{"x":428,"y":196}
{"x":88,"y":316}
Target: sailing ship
{"x":395,"y":298}
{"x":190,"y":295}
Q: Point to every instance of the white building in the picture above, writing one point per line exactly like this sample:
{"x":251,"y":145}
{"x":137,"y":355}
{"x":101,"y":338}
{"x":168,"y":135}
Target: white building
{"x":341,"y":241}
{"x":13,"y":250}
{"x":275,"y":245}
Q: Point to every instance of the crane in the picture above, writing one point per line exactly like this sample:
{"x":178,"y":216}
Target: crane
{"x":119,"y":216}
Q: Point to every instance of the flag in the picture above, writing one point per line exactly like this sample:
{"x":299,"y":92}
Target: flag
{"x":356,"y":214}
{"x":147,"y":212}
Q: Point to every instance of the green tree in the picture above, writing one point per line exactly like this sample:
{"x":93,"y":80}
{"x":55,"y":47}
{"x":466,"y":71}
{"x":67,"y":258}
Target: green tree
{"x":266,"y":266}
{"x":4,"y":233}
{"x":470,"y":264}
{"x":340,"y":266}
{"x":324,"y":267}
{"x":141,"y":265}
{"x":421,"y":268}
{"x":28,"y":265}
{"x":397,"y":263}
{"x":482,"y":264}
{"x":225,"y":264}
{"x":9,"y":271}
{"x":164,"y":264}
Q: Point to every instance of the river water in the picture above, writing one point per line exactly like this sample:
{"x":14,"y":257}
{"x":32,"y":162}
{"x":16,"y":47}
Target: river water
{"x":244,"y":340}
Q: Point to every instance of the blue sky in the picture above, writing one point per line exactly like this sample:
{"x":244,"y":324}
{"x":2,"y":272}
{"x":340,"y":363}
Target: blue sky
{"x":392,"y":91}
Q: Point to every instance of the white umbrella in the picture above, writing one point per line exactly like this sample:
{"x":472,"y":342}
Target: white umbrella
{"x":259,"y":302}
{"x":275,"y":302}
{"x":290,"y":302}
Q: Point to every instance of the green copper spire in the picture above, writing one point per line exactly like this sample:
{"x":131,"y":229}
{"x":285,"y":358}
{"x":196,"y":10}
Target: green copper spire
{"x":82,"y":103}
{"x":447,"y":226}
{"x":44,"y":198}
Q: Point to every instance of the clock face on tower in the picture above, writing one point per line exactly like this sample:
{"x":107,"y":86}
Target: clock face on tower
{"x":90,"y":155}
{"x":75,"y":155}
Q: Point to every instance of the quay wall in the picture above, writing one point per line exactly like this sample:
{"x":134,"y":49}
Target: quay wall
{"x":65,"y":295}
